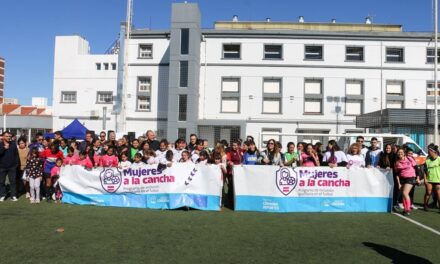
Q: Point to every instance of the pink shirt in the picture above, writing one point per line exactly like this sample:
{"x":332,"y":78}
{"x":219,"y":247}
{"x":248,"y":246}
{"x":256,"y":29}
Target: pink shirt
{"x":85,"y":162}
{"x":70,"y":160}
{"x":109,"y":161}
{"x":405,"y":167}
{"x":307,"y":160}
{"x":55,"y":171}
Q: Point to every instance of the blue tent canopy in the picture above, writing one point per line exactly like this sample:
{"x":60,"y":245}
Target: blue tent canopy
{"x":74,"y":130}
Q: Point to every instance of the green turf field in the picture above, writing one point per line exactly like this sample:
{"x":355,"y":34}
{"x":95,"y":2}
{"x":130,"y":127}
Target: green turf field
{"x":126,"y":235}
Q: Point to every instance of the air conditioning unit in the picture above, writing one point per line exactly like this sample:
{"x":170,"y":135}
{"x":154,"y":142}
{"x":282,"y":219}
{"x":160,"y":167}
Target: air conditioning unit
{"x":94,"y":114}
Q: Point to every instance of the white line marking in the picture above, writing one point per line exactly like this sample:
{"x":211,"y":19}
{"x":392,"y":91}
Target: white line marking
{"x":417,"y":223}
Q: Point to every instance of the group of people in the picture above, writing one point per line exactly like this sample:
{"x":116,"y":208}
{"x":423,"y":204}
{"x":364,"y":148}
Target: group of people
{"x":38,"y":165}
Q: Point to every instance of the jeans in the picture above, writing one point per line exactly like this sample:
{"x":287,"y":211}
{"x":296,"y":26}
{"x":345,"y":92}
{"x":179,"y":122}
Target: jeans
{"x":12,"y":175}
{"x":35,"y":188}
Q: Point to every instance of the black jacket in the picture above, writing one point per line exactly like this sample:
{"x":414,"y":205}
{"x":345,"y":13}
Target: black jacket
{"x":8,"y":157}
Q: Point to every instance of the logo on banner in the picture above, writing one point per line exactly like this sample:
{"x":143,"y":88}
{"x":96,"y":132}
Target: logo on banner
{"x":286,"y":180}
{"x":111,"y":179}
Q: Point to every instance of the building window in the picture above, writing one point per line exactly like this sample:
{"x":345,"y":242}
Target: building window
{"x":230,"y":95}
{"x":354,"y":53}
{"x":183,"y":107}
{"x":430,"y":55}
{"x":181,"y":133}
{"x":104,"y":97}
{"x":394,"y":104}
{"x":353,"y":107}
{"x":354,"y":97}
{"x":313,"y":96}
{"x":395,"y":55}
{"x":270,"y":133}
{"x":106,"y":66}
{"x":395,"y":88}
{"x":395,"y":94}
{"x":273,"y":51}
{"x":144,"y":84}
{"x":68,"y":97}
{"x":430,"y":89}
{"x":272,"y":96}
{"x":144,"y":103}
{"x":145,"y":51}
{"x":231,"y":51}
{"x":114,"y":66}
{"x":183,"y":82}
{"x":98,"y":66}
{"x":184,"y":41}
{"x":313,"y":52}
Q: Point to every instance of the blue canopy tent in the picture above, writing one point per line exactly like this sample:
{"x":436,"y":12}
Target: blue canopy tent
{"x":74,"y":130}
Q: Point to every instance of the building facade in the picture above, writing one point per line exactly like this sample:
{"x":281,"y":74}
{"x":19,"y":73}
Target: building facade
{"x":243,"y":78}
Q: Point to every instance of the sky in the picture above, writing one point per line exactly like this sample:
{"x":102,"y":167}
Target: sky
{"x":28,"y":27}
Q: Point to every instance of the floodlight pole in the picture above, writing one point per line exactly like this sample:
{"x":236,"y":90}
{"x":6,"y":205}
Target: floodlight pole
{"x":435,"y":72}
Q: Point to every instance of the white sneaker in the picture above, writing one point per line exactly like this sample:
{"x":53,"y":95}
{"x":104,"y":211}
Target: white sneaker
{"x":414,"y":207}
{"x":37,"y":201}
{"x":400,"y":205}
{"x":54,"y":197}
{"x":2,"y":199}
{"x":32,"y":201}
{"x":14,"y":199}
{"x":28,"y":195}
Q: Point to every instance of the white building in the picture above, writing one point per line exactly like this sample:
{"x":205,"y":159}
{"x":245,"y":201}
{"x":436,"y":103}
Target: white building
{"x":39,"y":101}
{"x":243,"y":78}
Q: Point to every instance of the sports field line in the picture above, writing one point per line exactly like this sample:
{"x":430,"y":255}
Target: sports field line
{"x":419,"y":224}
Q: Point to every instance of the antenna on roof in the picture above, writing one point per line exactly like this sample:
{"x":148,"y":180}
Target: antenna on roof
{"x":301,"y":19}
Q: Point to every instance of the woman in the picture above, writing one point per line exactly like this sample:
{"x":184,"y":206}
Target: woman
{"x":334,"y":157}
{"x":355,"y":158}
{"x":387,"y":159}
{"x":291,"y":156}
{"x":220,"y":150}
{"x":250,"y":157}
{"x":432,"y":178}
{"x":406,"y":178}
{"x":271,"y":155}
{"x":23,"y":153}
{"x":309,"y":158}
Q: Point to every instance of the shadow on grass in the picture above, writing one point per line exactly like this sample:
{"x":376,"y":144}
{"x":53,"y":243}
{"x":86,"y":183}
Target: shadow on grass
{"x":395,"y":255}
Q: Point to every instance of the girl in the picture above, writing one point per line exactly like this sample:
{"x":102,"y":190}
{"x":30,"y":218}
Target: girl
{"x":23,"y":153}
{"x":185,"y":157}
{"x":220,"y":149}
{"x":71,"y":158}
{"x":406,"y":178}
{"x":109,"y":159}
{"x":74,"y":145}
{"x":203,"y":158}
{"x":169,"y":156}
{"x":124,"y":163}
{"x":432,"y":178}
{"x":217,"y":158}
{"x":161,"y":152}
{"x":355,"y":158}
{"x":34,"y":170}
{"x":250,"y":157}
{"x":63,"y":146}
{"x":309,"y":158}
{"x":50,"y":156}
{"x":55,"y":175}
{"x":149,"y":157}
{"x":334,"y":156}
{"x":84,"y":160}
{"x":387,"y":158}
{"x":271,"y":155}
{"x":134,"y":148}
{"x":137,"y":160}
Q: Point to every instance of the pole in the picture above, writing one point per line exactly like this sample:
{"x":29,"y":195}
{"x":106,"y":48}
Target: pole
{"x":435,"y":72}
{"x":121,"y":127}
{"x":4,"y":122}
{"x":104,"y":117}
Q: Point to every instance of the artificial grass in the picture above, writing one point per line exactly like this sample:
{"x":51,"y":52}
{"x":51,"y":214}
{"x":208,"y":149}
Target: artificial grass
{"x":126,"y":235}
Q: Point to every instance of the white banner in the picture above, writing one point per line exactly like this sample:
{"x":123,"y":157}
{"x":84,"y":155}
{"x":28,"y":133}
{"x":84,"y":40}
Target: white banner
{"x":312,"y":189}
{"x":145,"y":186}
